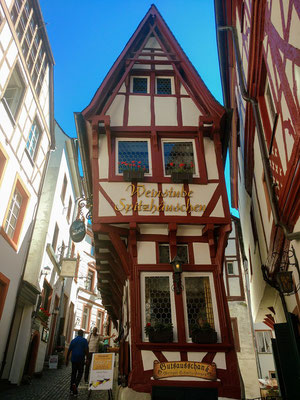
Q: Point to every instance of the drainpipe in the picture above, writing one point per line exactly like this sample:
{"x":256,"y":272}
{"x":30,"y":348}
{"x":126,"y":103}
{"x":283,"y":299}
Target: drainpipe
{"x":261,"y":139}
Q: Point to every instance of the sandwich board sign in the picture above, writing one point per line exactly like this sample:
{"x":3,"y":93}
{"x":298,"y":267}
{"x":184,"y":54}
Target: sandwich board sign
{"x":102,"y":371}
{"x":53,"y":361}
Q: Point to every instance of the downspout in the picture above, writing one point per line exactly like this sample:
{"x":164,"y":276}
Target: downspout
{"x":260,"y":133}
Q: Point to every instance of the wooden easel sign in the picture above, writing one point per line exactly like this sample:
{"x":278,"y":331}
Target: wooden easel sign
{"x":102,"y":371}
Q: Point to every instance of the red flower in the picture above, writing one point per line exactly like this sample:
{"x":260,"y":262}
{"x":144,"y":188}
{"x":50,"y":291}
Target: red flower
{"x":148,"y":324}
{"x":139,"y":166}
{"x":192,"y":164}
{"x":181,"y":165}
{"x":171,"y":164}
{"x":139,"y":162}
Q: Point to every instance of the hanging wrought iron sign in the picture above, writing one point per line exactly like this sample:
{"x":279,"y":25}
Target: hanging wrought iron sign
{"x":77,"y":230}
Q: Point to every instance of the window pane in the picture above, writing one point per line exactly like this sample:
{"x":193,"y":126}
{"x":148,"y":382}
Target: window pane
{"x":230,"y":268}
{"x":139,"y":85}
{"x":178,"y":155}
{"x":13,"y":213}
{"x":198,"y":301}
{"x":33,"y":139}
{"x":182,"y":253}
{"x":14,"y":91}
{"x":163,"y":86}
{"x":133,"y":154}
{"x":157,"y":299}
{"x":164,"y":253}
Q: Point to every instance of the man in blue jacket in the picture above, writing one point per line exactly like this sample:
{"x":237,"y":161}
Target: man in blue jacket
{"x":79,"y":348}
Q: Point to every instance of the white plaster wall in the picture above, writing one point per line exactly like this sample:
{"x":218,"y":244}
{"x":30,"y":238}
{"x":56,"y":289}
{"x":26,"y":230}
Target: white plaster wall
{"x":201,"y":253}
{"x":201,"y":195}
{"x":165,"y":111}
{"x":190,"y":112}
{"x":146,"y":252}
{"x":116,"y":111}
{"x":139,"y":111}
{"x":117,"y":191}
{"x":173,"y":200}
{"x":158,"y":229}
{"x":210,"y":159}
{"x":150,"y":200}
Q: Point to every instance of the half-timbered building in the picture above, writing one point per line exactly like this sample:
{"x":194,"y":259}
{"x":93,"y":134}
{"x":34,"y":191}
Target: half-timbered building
{"x":258,"y":44}
{"x":152,"y":143}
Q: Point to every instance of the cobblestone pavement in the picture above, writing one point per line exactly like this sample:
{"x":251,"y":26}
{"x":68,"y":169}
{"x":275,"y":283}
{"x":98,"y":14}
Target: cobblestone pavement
{"x":53,"y":385}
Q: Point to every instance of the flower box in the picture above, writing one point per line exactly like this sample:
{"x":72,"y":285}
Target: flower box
{"x":204,"y":336}
{"x":131,"y":175}
{"x":181,"y":177}
{"x":164,"y":336}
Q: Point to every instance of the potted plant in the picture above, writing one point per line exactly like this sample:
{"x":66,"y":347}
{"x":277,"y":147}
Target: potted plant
{"x":159,"y":332}
{"x":133,"y":172}
{"x":182,"y":173}
{"x":203,"y":333}
{"x":43,"y":315}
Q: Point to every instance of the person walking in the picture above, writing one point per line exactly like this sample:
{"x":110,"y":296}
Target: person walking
{"x":93,"y":340}
{"x":79,"y":348}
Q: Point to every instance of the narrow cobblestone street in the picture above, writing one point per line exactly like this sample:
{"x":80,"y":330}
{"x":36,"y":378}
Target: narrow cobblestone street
{"x":53,"y":385}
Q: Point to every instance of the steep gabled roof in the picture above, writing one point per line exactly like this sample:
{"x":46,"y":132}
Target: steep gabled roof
{"x":154,"y":24}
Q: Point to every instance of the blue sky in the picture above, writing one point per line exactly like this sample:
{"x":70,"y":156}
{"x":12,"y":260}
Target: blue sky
{"x":86,"y":37}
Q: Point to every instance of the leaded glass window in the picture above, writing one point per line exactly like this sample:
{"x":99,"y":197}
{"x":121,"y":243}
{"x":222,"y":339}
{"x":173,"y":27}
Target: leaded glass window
{"x":198,"y":301}
{"x":33,"y":139}
{"x":133,"y":155}
{"x":157,"y":299}
{"x":163,"y":86}
{"x":164,"y":253}
{"x":140,"y":85}
{"x":183,"y":253}
{"x":178,"y":156}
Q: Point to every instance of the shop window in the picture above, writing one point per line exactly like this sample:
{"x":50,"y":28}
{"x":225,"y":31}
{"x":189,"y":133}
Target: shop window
{"x":85,"y":318}
{"x":14,"y":92}
{"x":16,"y":212}
{"x":64,"y":189}
{"x":139,"y":85}
{"x":198,"y":299}
{"x":179,"y":155}
{"x":133,"y":154}
{"x":157,"y":299}
{"x":264,"y":344}
{"x":4,"y":284}
{"x":33,"y":139}
{"x":163,"y":86}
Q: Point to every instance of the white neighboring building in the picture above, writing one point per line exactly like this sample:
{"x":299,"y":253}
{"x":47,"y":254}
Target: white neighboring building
{"x":26,"y":137}
{"x":236,"y":289}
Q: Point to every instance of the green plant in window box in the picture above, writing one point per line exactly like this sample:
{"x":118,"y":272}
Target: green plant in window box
{"x":181,"y":173}
{"x":203,"y":332}
{"x":133,"y":172}
{"x":159,"y":332}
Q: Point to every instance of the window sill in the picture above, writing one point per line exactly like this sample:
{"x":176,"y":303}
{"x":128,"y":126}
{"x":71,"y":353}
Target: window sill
{"x":8,"y":239}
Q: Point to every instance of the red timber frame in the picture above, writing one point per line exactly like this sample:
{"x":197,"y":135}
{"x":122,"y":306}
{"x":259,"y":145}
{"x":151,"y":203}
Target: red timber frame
{"x":116,"y":236}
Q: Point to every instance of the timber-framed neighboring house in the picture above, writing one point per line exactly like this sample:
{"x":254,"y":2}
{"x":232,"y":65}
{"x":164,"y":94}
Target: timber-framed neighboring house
{"x":151,"y":118}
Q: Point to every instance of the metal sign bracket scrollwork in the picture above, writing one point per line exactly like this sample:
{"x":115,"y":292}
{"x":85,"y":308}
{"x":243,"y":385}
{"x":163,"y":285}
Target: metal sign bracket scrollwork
{"x":85,"y":202}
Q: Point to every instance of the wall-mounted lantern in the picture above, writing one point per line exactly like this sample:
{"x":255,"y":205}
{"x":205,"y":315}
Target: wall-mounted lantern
{"x":177,"y":269}
{"x":282,"y":279}
{"x":45,"y":271}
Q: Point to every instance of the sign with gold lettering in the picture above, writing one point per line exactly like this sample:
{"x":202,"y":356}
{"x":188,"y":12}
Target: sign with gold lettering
{"x":141,"y":193}
{"x":184,"y":368}
{"x":101,"y":372}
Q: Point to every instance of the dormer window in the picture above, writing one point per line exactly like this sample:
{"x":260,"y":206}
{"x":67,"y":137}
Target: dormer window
{"x":139,"y":85}
{"x":133,"y":153}
{"x":163,"y":86}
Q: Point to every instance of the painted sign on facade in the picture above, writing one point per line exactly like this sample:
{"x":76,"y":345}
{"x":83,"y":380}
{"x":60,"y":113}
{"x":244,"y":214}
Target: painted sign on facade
{"x":102,"y":371}
{"x":184,"y":368}
{"x":77,"y":231}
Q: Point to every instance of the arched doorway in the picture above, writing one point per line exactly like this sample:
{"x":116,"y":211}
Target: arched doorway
{"x":32,"y":353}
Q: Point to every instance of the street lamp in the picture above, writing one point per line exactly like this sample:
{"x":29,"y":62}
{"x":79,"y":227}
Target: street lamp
{"x":45,"y":271}
{"x":282,"y":279}
{"x":177,"y":269}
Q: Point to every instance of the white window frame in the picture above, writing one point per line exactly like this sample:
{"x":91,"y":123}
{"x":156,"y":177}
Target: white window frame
{"x":213,"y":301}
{"x":139,"y":76}
{"x":263,"y":332}
{"x":143,"y":302}
{"x":172,"y":85}
{"x":38,"y":138}
{"x":18,"y":87}
{"x":85,"y":328}
{"x":133,"y":140}
{"x":170,"y":140}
